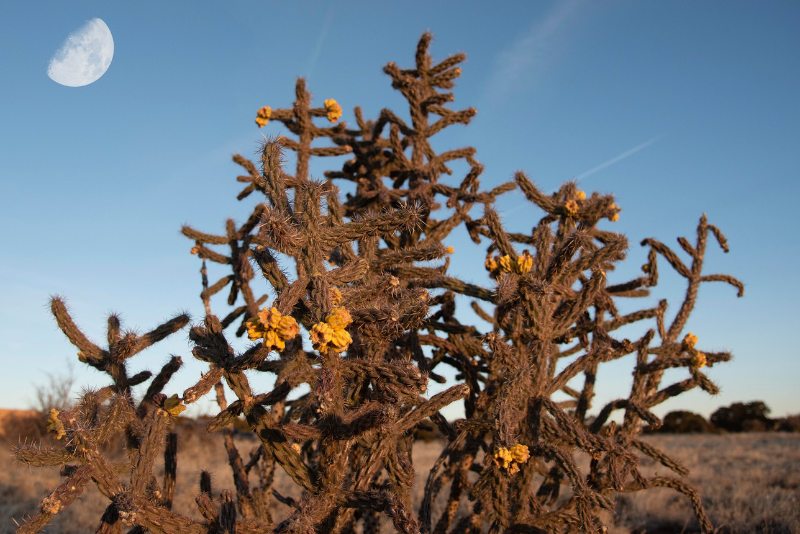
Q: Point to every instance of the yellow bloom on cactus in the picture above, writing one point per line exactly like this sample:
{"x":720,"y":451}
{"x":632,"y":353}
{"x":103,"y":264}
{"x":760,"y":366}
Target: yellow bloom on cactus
{"x":698,"y":360}
{"x":520,"y":453}
{"x":337,"y":296}
{"x":174,"y":406}
{"x":54,"y":424}
{"x":503,"y":457}
{"x":296,"y":448}
{"x":509,"y":459}
{"x":505,"y":263}
{"x":615,"y":217}
{"x":580,"y":194}
{"x":520,"y":264}
{"x":288,"y":327}
{"x":572,"y":207}
{"x":689,"y":341}
{"x":334,"y":110}
{"x":272,"y":327}
{"x":255,"y":330}
{"x":449,"y":250}
{"x":339,"y":319}
{"x":273,"y":341}
{"x":524,"y":263}
{"x":321,"y":334}
{"x":340,"y":340}
{"x":263,"y":115}
{"x":491,"y":263}
{"x":331,"y":333}
{"x":270,"y":318}
{"x":646,"y":268}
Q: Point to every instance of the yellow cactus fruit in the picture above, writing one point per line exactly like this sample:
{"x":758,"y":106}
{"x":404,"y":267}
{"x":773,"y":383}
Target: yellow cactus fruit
{"x":520,"y":453}
{"x":333,"y":109}
{"x":337,"y":296}
{"x":689,"y":341}
{"x":646,"y":268}
{"x":255,"y":330}
{"x":572,"y":207}
{"x":321,"y":334}
{"x":503,"y":457}
{"x":524,"y":263}
{"x":339,"y":319}
{"x":273,"y":328}
{"x":580,"y":194}
{"x":54,"y":424}
{"x":270,"y":318}
{"x":698,"y":360}
{"x":263,"y":115}
{"x":340,"y":340}
{"x":490,"y":263}
{"x":505,"y":264}
{"x":174,"y":406}
{"x":273,"y":341}
{"x":288,"y":327}
{"x":509,"y":459}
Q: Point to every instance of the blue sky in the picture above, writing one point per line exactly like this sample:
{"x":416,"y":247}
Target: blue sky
{"x":677,"y":108}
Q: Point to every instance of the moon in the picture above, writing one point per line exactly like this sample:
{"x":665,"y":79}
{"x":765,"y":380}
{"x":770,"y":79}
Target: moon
{"x":84,"y":56}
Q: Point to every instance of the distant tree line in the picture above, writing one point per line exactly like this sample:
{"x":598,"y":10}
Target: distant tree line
{"x":738,"y":417}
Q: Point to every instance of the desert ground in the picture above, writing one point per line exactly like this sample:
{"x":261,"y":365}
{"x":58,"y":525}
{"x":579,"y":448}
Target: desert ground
{"x":750,"y":483}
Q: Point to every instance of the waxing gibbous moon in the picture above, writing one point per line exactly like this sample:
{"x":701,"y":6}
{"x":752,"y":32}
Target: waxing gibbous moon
{"x":84,"y":56}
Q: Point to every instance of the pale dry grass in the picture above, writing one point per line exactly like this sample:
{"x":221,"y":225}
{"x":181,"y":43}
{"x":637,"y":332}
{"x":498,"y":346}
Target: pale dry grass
{"x":750,"y":484}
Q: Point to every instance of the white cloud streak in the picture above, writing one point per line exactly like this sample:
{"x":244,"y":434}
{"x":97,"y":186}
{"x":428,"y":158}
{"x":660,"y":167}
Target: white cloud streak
{"x":326,"y":25}
{"x":615,"y":159}
{"x":531,"y":52}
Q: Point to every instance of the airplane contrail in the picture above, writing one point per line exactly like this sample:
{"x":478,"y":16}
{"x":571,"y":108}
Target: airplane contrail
{"x":312,"y":61}
{"x":600,"y":167}
{"x":622,"y":156}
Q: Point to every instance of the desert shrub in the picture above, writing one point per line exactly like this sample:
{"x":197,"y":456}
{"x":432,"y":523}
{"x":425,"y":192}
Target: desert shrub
{"x":682,"y":422}
{"x":370,"y":290}
{"x":743,"y":417}
{"x":790,"y":423}
{"x":22,"y":425}
{"x":56,"y":392}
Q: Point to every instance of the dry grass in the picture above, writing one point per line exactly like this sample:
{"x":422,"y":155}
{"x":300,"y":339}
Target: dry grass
{"x":749,"y":483}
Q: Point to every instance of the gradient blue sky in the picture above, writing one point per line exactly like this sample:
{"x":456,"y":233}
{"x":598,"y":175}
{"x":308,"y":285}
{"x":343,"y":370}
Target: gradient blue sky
{"x":678,"y":108}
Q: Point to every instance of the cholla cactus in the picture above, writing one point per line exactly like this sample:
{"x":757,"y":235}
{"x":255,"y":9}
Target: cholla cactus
{"x":366,"y":296}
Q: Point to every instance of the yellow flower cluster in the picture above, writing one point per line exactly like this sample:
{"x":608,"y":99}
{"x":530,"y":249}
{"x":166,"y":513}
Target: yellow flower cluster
{"x":519,"y":264}
{"x":698,"y":359}
{"x":273,"y":327}
{"x":615,"y":217}
{"x":689,"y":341}
{"x":334,"y":110}
{"x":580,"y":194}
{"x":54,"y":424}
{"x":331,"y":334}
{"x":263,"y":115}
{"x":572,"y":208}
{"x":509,"y":459}
{"x":337,"y":296}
